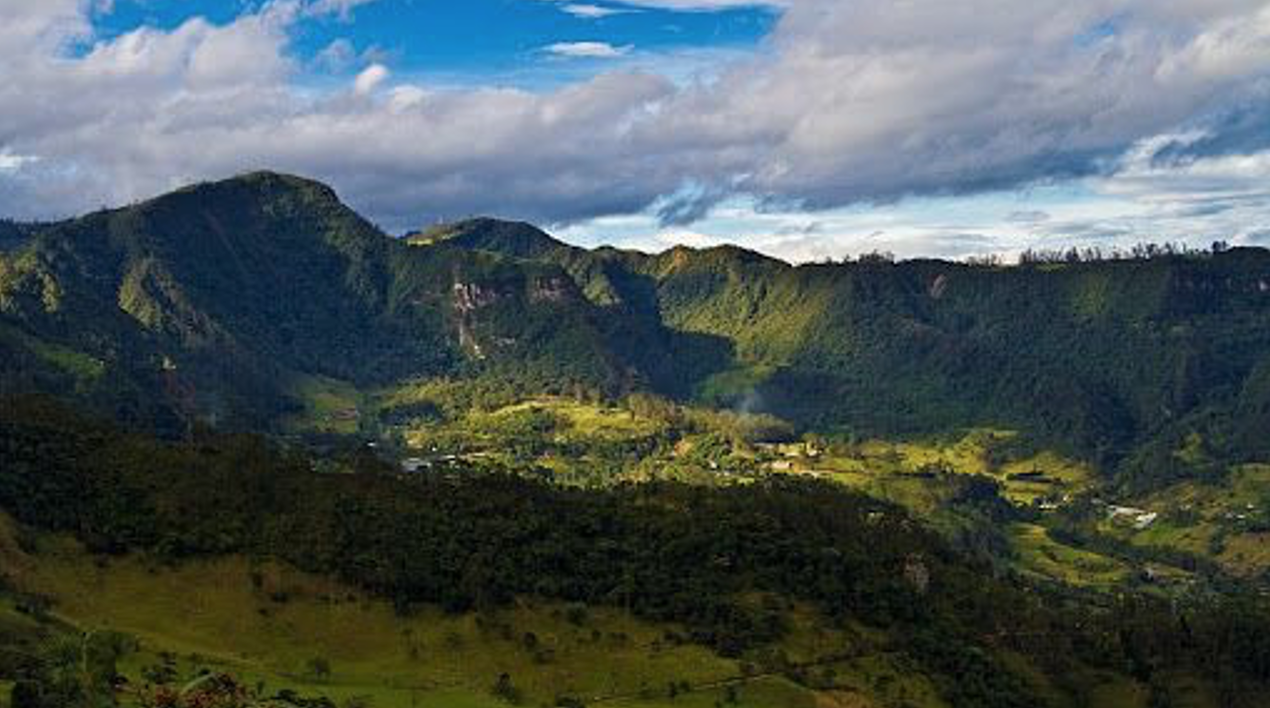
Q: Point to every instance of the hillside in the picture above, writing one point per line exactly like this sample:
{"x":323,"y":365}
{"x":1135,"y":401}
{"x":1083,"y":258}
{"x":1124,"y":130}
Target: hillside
{"x":227,"y":554}
{"x":1118,"y":361}
{"x":211,"y":303}
{"x":223,"y":302}
{"x":496,"y":454}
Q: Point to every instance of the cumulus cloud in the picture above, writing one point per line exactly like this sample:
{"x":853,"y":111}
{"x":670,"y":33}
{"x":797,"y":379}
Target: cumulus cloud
{"x":336,"y":56}
{"x":876,"y":101}
{"x":370,"y":78}
{"x":847,"y":103}
{"x":587,"y":50}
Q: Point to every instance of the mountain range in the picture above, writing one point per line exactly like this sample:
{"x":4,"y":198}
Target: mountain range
{"x":209,"y":303}
{"x":248,"y":440}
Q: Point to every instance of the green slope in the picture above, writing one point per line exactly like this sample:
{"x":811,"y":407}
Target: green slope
{"x":219,"y":302}
{"x":793,"y":592}
{"x":1110,"y":360}
{"x":209,"y":303}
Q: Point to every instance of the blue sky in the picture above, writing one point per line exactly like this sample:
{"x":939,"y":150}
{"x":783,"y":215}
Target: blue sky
{"x":474,"y":41}
{"x":807,"y":129}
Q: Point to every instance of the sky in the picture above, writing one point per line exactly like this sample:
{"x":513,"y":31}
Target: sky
{"x":805,"y":129}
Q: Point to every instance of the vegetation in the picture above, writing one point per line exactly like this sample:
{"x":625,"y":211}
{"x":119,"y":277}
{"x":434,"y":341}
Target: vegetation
{"x":13,"y":234}
{"x":728,"y":564}
{"x":207,"y":305}
{"x":908,"y":483}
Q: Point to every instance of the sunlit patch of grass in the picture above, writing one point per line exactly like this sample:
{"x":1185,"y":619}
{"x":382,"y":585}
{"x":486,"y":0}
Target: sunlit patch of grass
{"x":587,"y":421}
{"x":1221,"y":519}
{"x":83,"y":368}
{"x":1246,"y":553}
{"x":267,"y":623}
{"x":1044,"y":557}
{"x":330,"y":406}
{"x":1047,"y":474}
{"x":887,"y":468}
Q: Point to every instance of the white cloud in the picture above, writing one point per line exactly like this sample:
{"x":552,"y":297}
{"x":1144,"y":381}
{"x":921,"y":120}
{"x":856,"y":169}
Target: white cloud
{"x":587,"y":50}
{"x":336,"y":56}
{"x":848,"y":103}
{"x":370,"y":78}
{"x":11,"y":162}
{"x":592,"y":12}
{"x":705,"y":5}
{"x":341,"y":8}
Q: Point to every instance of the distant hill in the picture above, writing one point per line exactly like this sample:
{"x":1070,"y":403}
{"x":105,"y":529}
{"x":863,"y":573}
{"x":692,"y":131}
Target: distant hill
{"x":210,"y":302}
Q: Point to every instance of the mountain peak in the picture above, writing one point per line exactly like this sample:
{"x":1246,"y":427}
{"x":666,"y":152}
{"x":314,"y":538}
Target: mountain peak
{"x":261,"y":184}
{"x":517,"y":239}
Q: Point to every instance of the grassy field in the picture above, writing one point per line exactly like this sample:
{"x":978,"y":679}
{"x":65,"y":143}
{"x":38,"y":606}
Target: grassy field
{"x":589,"y":421}
{"x":1024,"y":481}
{"x":916,"y":475}
{"x":274,"y":626}
{"x":1041,"y":556}
{"x":268,"y":624}
{"x":594,"y":443}
{"x":330,"y":406}
{"x":884,"y":467}
{"x":1225,"y":520}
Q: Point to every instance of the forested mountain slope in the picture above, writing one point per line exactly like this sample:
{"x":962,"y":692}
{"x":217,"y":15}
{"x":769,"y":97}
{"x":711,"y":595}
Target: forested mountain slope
{"x":206,"y":303}
{"x":1107,"y":358}
{"x":479,"y":419}
{"x":210,"y":302}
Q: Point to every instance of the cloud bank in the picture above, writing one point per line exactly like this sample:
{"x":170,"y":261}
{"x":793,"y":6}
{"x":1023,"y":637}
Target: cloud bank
{"x":847,"y":103}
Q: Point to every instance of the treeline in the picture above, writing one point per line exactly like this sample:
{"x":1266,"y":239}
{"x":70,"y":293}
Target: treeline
{"x":725,"y":563}
{"x":1137,"y":252}
{"x":1041,"y":256}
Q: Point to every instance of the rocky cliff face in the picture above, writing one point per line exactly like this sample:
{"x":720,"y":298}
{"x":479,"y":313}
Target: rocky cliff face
{"x":470,"y":297}
{"x":554,"y":289}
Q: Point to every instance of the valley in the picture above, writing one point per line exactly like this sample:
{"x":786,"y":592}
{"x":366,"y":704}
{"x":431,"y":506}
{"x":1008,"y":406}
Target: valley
{"x":256,"y":452}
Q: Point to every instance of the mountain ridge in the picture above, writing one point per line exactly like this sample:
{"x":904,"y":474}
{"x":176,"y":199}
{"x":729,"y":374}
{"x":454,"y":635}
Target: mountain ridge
{"x":205,"y":302}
